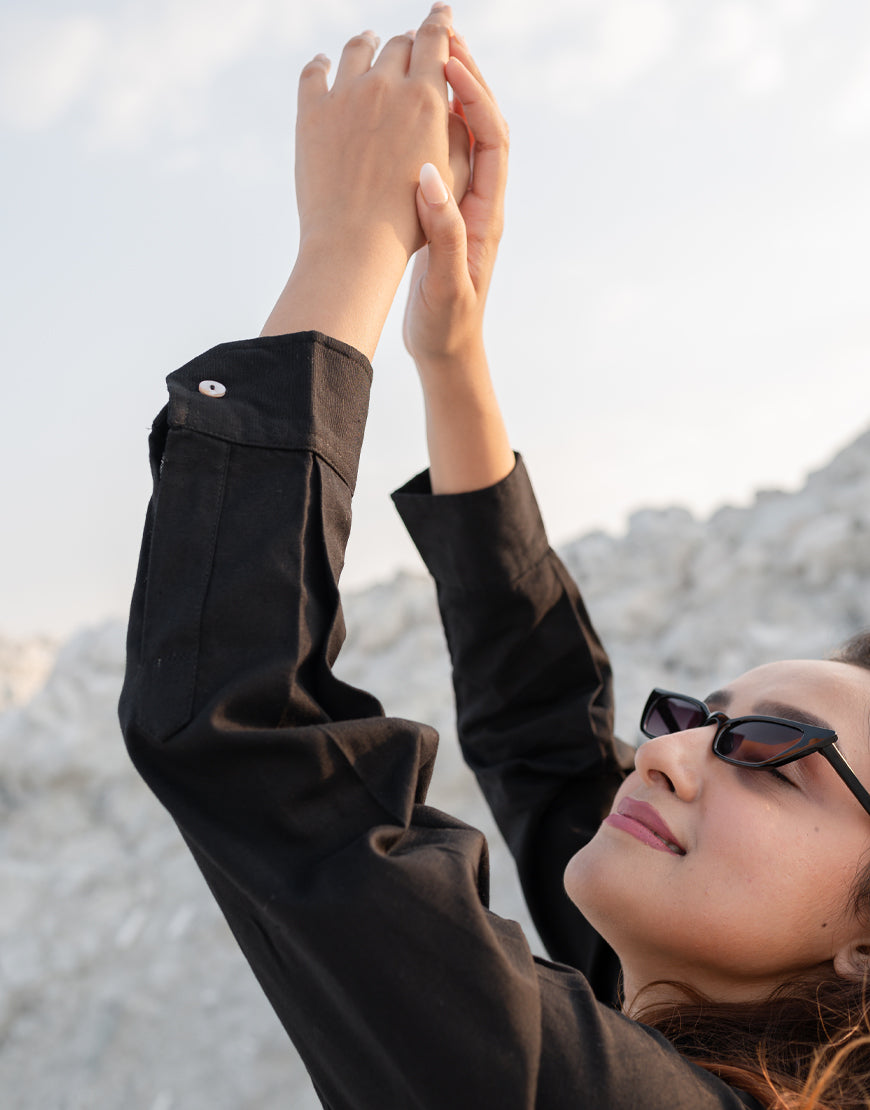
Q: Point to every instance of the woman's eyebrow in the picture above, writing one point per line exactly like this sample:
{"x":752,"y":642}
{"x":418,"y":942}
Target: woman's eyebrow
{"x":792,"y":713}
{"x":719,"y":699}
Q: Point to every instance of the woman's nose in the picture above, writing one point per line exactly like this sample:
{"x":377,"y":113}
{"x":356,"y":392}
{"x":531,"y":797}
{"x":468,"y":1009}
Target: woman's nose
{"x":677,"y":760}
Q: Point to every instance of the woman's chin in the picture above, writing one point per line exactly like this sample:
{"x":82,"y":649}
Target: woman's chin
{"x":589,"y":879}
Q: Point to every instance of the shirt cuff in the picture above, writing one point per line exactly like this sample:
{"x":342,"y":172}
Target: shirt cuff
{"x":481,"y":540}
{"x":303,"y":391}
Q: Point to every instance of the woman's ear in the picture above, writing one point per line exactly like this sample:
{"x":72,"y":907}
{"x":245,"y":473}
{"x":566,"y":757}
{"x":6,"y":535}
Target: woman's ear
{"x":853,"y":960}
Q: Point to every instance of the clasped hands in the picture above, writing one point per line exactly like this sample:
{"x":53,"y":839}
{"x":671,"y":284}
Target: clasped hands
{"x":360,"y":146}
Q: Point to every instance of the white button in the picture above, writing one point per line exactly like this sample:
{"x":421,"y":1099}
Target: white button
{"x":212,"y":389}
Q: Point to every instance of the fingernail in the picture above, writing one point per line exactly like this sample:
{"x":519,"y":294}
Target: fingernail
{"x":439,"y":7}
{"x":432,"y":187}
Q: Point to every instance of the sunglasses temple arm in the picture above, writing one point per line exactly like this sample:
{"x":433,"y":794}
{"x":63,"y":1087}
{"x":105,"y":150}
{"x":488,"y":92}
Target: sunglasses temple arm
{"x":838,"y":762}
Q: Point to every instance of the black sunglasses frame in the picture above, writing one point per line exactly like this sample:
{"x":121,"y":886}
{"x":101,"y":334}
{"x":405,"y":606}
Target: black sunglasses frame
{"x":811,"y":739}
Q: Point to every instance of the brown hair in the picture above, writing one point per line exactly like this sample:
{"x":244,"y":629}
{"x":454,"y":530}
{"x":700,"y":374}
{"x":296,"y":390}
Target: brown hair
{"x":807,"y":1045}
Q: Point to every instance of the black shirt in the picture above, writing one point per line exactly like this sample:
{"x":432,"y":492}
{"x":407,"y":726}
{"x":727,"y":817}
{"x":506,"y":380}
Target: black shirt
{"x":363,"y":911}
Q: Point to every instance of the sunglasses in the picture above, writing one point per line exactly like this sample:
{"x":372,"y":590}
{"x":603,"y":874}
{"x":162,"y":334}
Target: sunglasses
{"x":754,"y":742}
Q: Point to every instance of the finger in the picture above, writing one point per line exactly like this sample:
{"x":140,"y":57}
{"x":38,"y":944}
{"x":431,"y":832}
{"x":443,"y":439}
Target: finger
{"x":432,"y":45}
{"x":444,"y":228}
{"x":356,"y":58}
{"x":456,"y":109}
{"x":312,"y":80}
{"x":459,"y":49}
{"x":489,"y":129}
{"x":458,"y":154}
{"x":396,"y":54}
{"x":421,"y":261}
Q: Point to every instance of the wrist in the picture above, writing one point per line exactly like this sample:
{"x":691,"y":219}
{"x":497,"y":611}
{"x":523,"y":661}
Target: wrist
{"x":468,"y":442}
{"x":353,"y":248}
{"x":463,"y":366}
{"x":341,"y":287}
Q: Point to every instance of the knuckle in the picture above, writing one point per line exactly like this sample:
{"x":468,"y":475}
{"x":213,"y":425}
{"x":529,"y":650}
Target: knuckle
{"x":378,"y":83}
{"x":494,"y":232}
{"x":432,"y":99}
{"x":432,"y":30}
{"x":424,"y":100}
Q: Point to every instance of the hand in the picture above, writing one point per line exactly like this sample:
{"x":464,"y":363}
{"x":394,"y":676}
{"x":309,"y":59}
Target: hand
{"x":458,"y":151}
{"x":360,"y":144}
{"x":443,"y":329}
{"x":451,"y":276}
{"x":359,"y":148}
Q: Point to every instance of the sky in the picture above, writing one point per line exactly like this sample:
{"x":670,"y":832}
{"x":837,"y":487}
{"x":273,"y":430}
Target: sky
{"x":679,"y":313}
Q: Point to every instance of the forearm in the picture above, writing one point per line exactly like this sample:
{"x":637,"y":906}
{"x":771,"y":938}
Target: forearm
{"x":344,"y":291}
{"x":467,"y":438}
{"x":233,"y":539}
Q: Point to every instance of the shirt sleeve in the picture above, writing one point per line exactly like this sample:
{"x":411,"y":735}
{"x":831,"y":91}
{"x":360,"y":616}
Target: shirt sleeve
{"x":533,"y":693}
{"x":361,"y":910}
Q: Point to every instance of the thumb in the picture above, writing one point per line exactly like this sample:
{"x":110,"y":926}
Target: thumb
{"x":444,"y":229}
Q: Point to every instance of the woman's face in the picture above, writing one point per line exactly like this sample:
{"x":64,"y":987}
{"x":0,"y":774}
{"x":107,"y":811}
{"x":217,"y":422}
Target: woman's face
{"x":758,"y":888}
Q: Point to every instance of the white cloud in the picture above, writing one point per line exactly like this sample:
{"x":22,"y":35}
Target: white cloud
{"x":631,"y":38}
{"x":571,"y":54}
{"x":755,"y":41}
{"x":736,"y":31}
{"x":138,"y":66}
{"x":142,"y":68}
{"x":739,"y":29}
{"x":762,"y":73}
{"x":794,"y":11}
{"x":155,"y":67}
{"x":744,"y":39}
{"x":850,"y":114}
{"x":46,"y":65}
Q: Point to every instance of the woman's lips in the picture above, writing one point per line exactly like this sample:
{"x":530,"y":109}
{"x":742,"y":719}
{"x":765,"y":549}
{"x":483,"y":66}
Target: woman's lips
{"x":646,"y":824}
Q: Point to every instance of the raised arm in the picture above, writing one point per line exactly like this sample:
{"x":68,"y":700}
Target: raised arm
{"x":361,"y":911}
{"x":532,"y":681}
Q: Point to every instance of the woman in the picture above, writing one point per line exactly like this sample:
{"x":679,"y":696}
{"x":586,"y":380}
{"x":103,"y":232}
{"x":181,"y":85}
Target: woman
{"x":361,"y":910}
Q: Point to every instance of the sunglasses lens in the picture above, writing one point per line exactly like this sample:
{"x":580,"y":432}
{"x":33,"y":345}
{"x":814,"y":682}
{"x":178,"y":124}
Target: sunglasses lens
{"x":669,"y":714}
{"x":756,"y":741}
